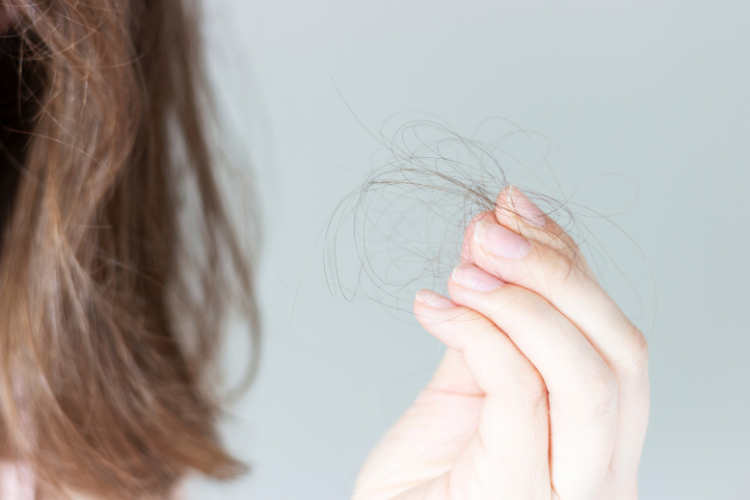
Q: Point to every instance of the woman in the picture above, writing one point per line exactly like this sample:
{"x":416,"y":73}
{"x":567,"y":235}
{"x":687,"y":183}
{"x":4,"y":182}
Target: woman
{"x":110,"y":314}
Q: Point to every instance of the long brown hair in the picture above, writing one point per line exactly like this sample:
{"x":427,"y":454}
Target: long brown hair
{"x":111,"y":297}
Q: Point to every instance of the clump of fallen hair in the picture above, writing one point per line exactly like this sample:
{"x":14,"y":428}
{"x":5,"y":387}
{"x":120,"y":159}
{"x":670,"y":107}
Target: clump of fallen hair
{"x":117,"y":257}
{"x":401,"y":229}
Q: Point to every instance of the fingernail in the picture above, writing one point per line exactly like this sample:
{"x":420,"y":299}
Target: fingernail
{"x":524,"y":207}
{"x":432,"y":299}
{"x":473,"y":278}
{"x":500,"y":240}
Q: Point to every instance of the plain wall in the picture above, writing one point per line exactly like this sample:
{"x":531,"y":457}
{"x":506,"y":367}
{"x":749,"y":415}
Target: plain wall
{"x":655,"y":92}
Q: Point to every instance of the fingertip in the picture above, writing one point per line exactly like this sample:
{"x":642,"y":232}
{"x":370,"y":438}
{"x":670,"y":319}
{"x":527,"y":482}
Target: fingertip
{"x":466,"y":257}
{"x":501,"y":241}
{"x":513,"y":205}
{"x":434,"y":299}
{"x":472,"y":277}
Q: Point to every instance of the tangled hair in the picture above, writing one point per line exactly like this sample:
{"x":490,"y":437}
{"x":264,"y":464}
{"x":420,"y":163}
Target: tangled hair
{"x":402,"y":228}
{"x":109,"y":314}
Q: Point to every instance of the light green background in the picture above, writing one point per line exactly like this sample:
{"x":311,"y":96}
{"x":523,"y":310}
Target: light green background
{"x":656,"y":91}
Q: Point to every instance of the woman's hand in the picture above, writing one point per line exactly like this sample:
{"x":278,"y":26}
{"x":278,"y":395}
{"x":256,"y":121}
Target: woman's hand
{"x":543,"y":392}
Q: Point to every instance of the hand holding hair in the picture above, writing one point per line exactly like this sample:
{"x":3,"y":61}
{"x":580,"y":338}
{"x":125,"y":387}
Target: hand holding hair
{"x":543,"y":392}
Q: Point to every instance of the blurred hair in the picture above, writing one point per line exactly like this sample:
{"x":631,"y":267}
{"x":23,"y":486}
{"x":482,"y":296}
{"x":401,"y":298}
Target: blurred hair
{"x":109,"y":314}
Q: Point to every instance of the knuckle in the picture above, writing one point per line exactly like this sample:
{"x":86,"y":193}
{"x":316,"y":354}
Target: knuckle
{"x":562,"y":241}
{"x":601,"y":389}
{"x":564,"y":273}
{"x":532,"y":393}
{"x":634,"y":366}
{"x":560,"y":268}
{"x":530,"y":384}
{"x":526,"y":384}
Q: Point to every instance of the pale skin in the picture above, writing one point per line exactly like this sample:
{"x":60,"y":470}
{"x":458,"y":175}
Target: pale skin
{"x":543,"y":392}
